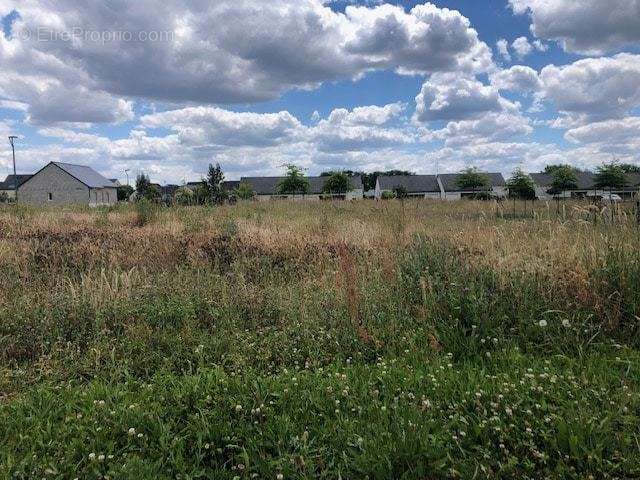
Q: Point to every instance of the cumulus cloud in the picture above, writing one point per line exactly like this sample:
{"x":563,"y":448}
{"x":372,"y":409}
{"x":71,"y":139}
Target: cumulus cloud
{"x":594,"y":89}
{"x":591,"y":27}
{"x":518,"y":78}
{"x":522,"y":47}
{"x":224,"y":52}
{"x":211,"y":126}
{"x":503,"y":49}
{"x":492,"y":127}
{"x":615,"y":136}
{"x":455,"y":97}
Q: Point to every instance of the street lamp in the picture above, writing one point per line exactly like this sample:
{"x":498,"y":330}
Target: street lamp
{"x":12,"y":139}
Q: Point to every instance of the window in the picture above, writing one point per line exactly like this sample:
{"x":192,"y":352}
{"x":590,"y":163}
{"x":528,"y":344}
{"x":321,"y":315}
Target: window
{"x":50,"y":196}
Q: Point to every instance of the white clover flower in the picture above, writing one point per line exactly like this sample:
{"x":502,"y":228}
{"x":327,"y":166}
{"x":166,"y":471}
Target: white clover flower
{"x":132,"y":432}
{"x":279,"y":476}
{"x":566,"y":323}
{"x":101,"y":458}
{"x":92,"y":456}
{"x":238,"y":408}
{"x":542,"y":323}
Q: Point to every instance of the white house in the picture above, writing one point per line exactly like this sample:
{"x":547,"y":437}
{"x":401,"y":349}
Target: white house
{"x":416,"y":186}
{"x":452,"y":191}
{"x":64,"y":183}
{"x":585,"y":186}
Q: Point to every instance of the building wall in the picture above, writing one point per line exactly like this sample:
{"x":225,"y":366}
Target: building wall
{"x":103,"y":197}
{"x":9,"y":193}
{"x":64,"y":189}
{"x":352,"y":195}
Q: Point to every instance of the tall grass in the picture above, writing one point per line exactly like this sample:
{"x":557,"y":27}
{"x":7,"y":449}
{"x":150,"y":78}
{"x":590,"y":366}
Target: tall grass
{"x":388,"y":340}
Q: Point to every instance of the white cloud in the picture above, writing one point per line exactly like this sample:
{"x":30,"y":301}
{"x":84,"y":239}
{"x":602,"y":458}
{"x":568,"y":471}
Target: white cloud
{"x":454,"y":97}
{"x":503,"y":49}
{"x":522,"y":47}
{"x":225,"y":52}
{"x":594,"y":89}
{"x":612,"y":136}
{"x":491,"y":127}
{"x":518,"y":78}
{"x":591,"y":27}
{"x":211,"y":126}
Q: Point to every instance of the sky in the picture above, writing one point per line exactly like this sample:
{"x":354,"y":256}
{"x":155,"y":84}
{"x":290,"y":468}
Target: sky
{"x":167,"y":88}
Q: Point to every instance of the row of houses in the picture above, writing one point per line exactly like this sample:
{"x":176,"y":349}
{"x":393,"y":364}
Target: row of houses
{"x":63,"y":183}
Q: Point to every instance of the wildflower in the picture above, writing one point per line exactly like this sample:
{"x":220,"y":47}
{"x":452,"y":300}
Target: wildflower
{"x":542,"y":323}
{"x":132,"y":432}
{"x":101,"y":458}
{"x":280,"y":477}
{"x":92,"y":456}
{"x":238,"y":408}
{"x":566,"y":323}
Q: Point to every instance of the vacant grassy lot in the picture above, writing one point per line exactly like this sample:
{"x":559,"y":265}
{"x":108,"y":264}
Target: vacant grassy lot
{"x":296,"y":340}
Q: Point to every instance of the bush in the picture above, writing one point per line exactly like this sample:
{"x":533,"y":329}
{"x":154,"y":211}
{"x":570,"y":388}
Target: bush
{"x":146,"y":212}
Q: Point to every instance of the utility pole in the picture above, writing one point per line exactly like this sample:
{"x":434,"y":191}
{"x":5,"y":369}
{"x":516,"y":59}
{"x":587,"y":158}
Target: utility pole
{"x":126,"y":172}
{"x":12,"y":139}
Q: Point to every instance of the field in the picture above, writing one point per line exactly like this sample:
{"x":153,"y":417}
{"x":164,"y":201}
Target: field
{"x":294,"y":340}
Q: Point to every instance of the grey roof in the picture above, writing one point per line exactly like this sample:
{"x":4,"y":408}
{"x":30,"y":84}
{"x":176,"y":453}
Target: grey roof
{"x":86,"y":175}
{"x":450,"y":181}
{"x":585,"y":180}
{"x":230,"y":185}
{"x":412,"y":183}
{"x":269,"y":185}
{"x":9,"y":182}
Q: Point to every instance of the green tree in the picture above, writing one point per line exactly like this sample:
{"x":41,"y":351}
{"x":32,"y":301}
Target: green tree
{"x":473,"y":179}
{"x":630,"y":168}
{"x":184,"y":196}
{"x":143,"y":184}
{"x":200,"y":194}
{"x":125,"y":192}
{"x":213,"y":183}
{"x":244,"y":191}
{"x":610,"y":176}
{"x":521,"y":185}
{"x":563,"y":178}
{"x":337,"y":184}
{"x":294,"y":183}
{"x":400,"y":192}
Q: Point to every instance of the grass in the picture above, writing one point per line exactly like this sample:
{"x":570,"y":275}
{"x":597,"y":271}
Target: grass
{"x":300,"y":340}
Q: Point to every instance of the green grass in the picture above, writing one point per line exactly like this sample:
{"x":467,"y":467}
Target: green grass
{"x":191,"y":348}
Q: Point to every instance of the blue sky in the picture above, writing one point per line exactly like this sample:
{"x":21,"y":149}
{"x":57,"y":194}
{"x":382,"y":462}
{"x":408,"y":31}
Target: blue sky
{"x":255,"y":85}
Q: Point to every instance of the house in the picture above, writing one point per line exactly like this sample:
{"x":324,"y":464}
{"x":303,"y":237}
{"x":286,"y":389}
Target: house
{"x":449,"y":184}
{"x":266,"y":188}
{"x":586,"y":187}
{"x":64,"y":183}
{"x":416,"y":186}
{"x":8,"y":187}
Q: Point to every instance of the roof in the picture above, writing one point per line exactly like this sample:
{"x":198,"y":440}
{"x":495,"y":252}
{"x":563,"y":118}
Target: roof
{"x":269,"y":185}
{"x":450,"y":181}
{"x":86,"y":175}
{"x":9,"y":182}
{"x":585,"y":180}
{"x":412,"y":183}
{"x":230,"y":185}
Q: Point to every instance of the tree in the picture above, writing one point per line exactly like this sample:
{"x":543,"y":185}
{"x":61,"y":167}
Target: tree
{"x":630,"y":168}
{"x":549,"y":169}
{"x":472,"y":179}
{"x":200,"y":194}
{"x":609,"y":176}
{"x":521,"y":186}
{"x":563,"y":179}
{"x":145,"y":189}
{"x":400,"y":192}
{"x":125,"y":192}
{"x":213,"y":183}
{"x":244,"y":191}
{"x":294,"y":183}
{"x":338,"y":183}
{"x":143,"y":184}
{"x":184,"y":196}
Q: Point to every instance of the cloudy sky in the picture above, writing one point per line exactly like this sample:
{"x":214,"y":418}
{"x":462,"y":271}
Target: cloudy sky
{"x":168,"y":87}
